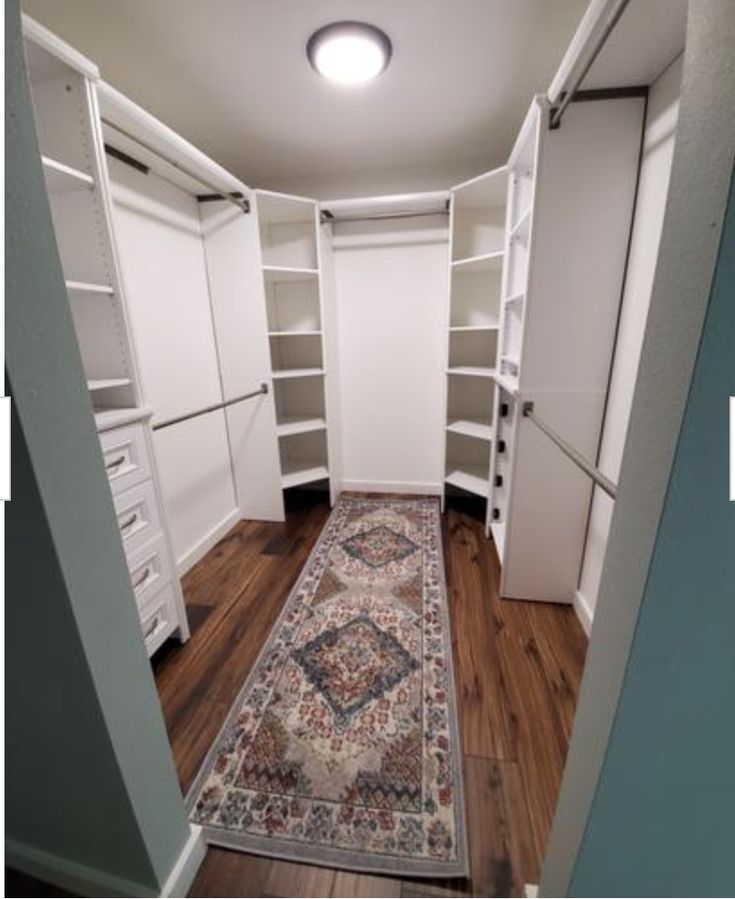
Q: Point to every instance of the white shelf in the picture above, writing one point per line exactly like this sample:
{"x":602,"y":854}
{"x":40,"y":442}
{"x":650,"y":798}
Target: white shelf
{"x":486,"y":190}
{"x":294,"y":333}
{"x":303,"y":473}
{"x":487,"y":262}
{"x":469,"y":428}
{"x":507,"y":383}
{"x":276,"y":274}
{"x":520,"y":229}
{"x":296,"y":373}
{"x":472,"y":371}
{"x":470,"y":479}
{"x":107,"y":383}
{"x":516,"y":298}
{"x":82,"y":287}
{"x":473,"y":328}
{"x":61,"y":178}
{"x":301,"y":424}
{"x":106,"y":419}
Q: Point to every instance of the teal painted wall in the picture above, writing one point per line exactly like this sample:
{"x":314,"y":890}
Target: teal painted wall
{"x":662,"y":823}
{"x":89,"y":774}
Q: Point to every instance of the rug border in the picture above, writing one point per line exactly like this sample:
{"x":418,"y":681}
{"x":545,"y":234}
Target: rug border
{"x":284,"y":850}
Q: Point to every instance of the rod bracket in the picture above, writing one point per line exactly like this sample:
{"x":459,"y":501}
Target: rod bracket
{"x":526,"y":408}
{"x":236,"y":195}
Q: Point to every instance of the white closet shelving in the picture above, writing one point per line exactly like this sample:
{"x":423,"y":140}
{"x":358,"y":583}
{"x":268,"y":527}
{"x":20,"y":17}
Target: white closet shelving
{"x":65,"y":107}
{"x":289,"y":246}
{"x":567,"y":188}
{"x":477,"y":253}
{"x":64,"y":87}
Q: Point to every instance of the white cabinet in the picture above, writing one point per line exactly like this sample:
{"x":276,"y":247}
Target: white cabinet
{"x":570,"y":202}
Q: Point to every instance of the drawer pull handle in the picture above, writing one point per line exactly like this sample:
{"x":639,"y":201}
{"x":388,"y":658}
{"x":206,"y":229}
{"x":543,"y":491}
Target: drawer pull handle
{"x":129,"y":522}
{"x":151,"y":628}
{"x":116,"y":463}
{"x":142,"y":579}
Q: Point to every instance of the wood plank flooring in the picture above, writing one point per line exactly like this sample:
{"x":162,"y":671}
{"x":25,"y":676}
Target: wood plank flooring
{"x":518,"y":667}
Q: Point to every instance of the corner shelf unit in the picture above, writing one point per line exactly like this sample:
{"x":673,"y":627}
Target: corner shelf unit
{"x":476,"y":263}
{"x":289,"y":246}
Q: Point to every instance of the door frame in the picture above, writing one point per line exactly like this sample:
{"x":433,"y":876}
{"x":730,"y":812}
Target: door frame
{"x":690,"y":240}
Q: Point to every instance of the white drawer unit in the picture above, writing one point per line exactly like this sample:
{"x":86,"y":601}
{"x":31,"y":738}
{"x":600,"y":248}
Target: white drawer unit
{"x":149,"y":568}
{"x":126,"y":457}
{"x":138,"y":516}
{"x":158,"y":618}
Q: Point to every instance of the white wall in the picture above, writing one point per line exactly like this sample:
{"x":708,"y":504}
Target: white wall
{"x":391,"y":284}
{"x":663,"y":107}
{"x":163,"y":264}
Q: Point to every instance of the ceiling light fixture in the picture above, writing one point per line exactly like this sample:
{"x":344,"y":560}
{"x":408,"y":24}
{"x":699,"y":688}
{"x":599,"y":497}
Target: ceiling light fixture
{"x":349,"y":53}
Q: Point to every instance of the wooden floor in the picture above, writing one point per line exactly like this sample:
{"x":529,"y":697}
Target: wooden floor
{"x":518,"y":667}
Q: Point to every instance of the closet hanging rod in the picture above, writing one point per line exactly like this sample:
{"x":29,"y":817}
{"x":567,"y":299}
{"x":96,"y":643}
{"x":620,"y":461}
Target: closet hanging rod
{"x":243,"y":205}
{"x":238,"y":399}
{"x":327,"y":217}
{"x":597,"y":476}
{"x":558,"y":111}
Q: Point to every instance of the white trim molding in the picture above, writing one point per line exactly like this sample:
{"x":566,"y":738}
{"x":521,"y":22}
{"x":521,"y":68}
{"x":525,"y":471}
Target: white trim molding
{"x":86,"y":881}
{"x":202,"y":547}
{"x":413,"y":487}
{"x":187,"y":864}
{"x":584,"y":611}
{"x":69,"y":875}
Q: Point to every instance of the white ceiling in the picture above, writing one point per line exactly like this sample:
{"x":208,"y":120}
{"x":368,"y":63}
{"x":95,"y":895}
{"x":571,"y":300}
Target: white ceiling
{"x":232,"y":77}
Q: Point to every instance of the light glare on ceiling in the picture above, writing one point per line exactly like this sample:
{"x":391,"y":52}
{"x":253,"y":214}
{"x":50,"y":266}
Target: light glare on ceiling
{"x":349,"y":53}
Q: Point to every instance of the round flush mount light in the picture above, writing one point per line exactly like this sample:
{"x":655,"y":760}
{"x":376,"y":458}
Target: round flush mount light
{"x":349,"y":53}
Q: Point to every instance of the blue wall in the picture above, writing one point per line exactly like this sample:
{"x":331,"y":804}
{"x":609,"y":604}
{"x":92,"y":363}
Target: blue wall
{"x":663,"y":819}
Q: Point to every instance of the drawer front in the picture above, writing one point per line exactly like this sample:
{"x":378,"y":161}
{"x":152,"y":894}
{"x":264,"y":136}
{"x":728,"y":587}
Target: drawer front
{"x":126,"y":457}
{"x":138,"y":516}
{"x":149,"y":569}
{"x":158,"y":618}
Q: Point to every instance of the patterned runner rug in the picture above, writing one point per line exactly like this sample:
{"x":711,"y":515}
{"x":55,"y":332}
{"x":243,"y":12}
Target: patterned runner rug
{"x":342,"y":747}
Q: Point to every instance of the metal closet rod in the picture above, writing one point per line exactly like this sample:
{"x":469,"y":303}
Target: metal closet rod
{"x":223,"y":405}
{"x":558,"y":111}
{"x":597,"y":476}
{"x":328,"y":218}
{"x":243,"y":205}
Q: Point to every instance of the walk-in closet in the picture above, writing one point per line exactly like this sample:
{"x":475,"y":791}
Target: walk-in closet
{"x":359,"y":293}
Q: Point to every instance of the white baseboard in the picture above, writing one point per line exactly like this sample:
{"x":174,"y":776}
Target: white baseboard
{"x":206,"y":542}
{"x":187,"y":864}
{"x":583,"y":610}
{"x":413,"y":487}
{"x":72,"y":876}
{"x":85,"y":881}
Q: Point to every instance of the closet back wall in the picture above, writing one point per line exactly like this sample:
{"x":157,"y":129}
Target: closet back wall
{"x":159,"y":237}
{"x":391,"y":287}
